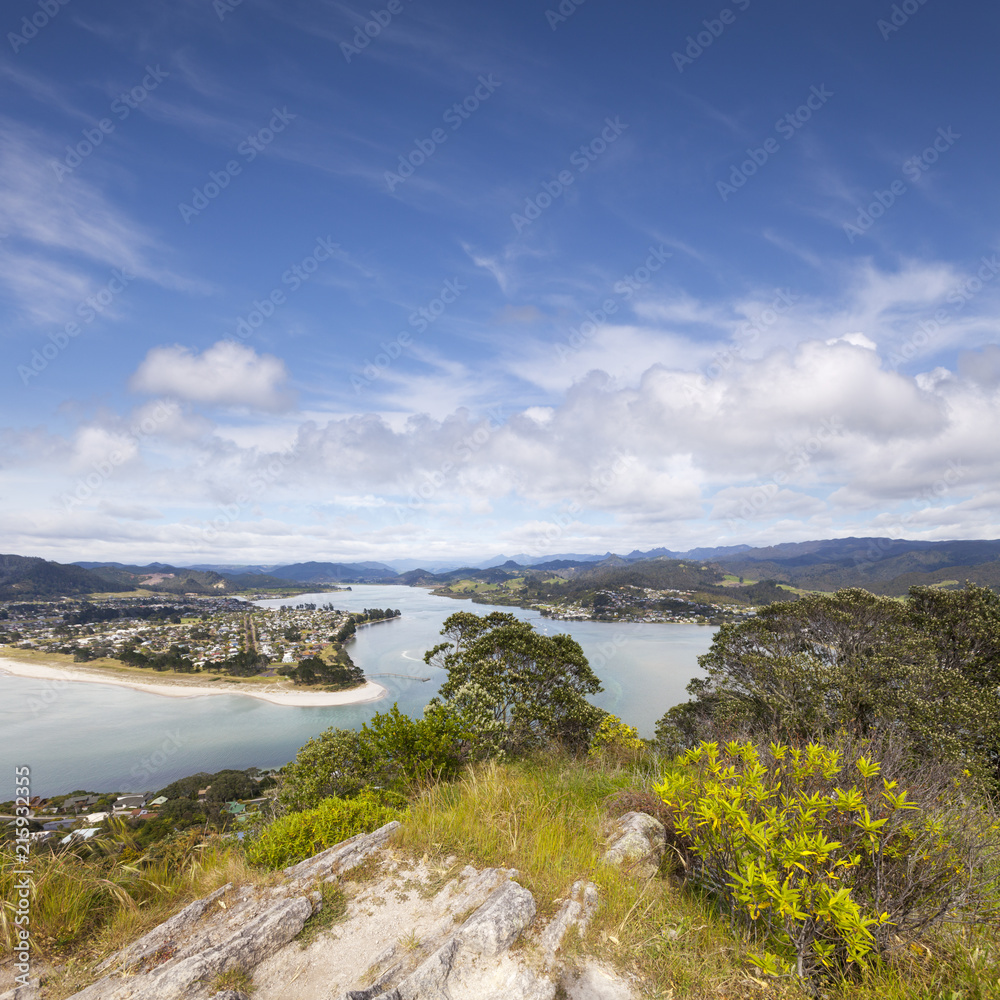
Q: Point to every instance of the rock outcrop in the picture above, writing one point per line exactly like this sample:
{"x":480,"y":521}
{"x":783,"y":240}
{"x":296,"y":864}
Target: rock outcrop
{"x":408,"y":931}
{"x":639,"y":841}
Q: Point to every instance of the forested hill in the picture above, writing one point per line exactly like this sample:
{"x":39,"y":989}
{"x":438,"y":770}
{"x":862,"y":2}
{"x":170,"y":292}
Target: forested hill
{"x":29,"y":577}
{"x":25,"y":576}
{"x":882,"y":565}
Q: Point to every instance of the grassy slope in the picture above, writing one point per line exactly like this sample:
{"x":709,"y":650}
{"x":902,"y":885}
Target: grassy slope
{"x":549,"y":820}
{"x":85,"y":909}
{"x":546,"y":818}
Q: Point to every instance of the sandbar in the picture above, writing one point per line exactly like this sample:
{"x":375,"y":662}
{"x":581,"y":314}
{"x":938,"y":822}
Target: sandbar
{"x":295,"y":697}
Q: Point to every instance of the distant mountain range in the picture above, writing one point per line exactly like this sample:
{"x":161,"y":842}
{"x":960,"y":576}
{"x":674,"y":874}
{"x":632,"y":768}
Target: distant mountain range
{"x":883,"y":565}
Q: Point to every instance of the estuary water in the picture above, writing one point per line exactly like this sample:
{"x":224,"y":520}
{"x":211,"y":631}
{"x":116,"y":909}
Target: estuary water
{"x":97,"y":737}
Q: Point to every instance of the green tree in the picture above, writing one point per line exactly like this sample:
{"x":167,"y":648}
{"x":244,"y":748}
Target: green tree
{"x":517,"y":689}
{"x":851,"y":660}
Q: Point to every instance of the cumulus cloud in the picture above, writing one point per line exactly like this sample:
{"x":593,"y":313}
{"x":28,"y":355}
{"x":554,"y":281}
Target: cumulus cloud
{"x":817,"y":440}
{"x":225,"y":374}
{"x":823,"y":428}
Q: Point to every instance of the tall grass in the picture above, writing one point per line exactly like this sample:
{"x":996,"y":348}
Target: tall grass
{"x":542,"y":819}
{"x":88,"y":905}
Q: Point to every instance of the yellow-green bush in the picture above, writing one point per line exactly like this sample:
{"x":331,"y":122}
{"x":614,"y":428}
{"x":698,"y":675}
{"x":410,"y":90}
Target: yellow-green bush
{"x":300,"y":835}
{"x":819,"y":860}
{"x":615,"y":737}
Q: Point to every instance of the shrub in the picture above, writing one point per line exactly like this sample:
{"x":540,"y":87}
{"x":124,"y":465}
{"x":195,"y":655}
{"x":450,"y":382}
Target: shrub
{"x":300,"y":835}
{"x":616,"y":738}
{"x":391,"y":751}
{"x":821,"y":860}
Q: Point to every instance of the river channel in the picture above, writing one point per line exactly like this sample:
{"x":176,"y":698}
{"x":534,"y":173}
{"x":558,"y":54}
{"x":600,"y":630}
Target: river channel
{"x":105,"y":738}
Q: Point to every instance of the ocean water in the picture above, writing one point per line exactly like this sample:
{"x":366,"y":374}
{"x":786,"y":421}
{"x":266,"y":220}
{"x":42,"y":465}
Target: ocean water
{"x":104,"y":738}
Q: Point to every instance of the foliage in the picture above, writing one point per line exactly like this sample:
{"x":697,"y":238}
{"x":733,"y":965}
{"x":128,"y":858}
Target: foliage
{"x":333,"y":910}
{"x":806,"y":669}
{"x":817,"y":853}
{"x":518,"y":689}
{"x":245,"y":663}
{"x":616,"y":738}
{"x":300,"y":835}
{"x":175,"y":658}
{"x":234,"y":980}
{"x":391,"y":751}
{"x":223,"y":786}
{"x":545,"y":816}
{"x":628,"y":800}
{"x":339,"y":675}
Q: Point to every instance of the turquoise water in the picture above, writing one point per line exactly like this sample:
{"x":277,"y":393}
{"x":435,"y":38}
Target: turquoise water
{"x":104,"y":738}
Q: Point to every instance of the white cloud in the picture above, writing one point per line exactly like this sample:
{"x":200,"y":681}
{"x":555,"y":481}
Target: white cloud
{"x":855,"y":340}
{"x":225,"y":374}
{"x":813,"y":434}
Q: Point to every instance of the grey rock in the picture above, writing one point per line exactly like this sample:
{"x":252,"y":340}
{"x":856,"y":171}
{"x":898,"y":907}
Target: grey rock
{"x":496,"y":925}
{"x":377,"y":989}
{"x":593,"y":982}
{"x":371,"y":993}
{"x":29,"y":992}
{"x":164,"y":935}
{"x":640,"y":839}
{"x":488,"y":932}
{"x":343,"y":856}
{"x":574,"y":912}
{"x":181,"y":978}
{"x":504,"y":979}
{"x":428,"y":980}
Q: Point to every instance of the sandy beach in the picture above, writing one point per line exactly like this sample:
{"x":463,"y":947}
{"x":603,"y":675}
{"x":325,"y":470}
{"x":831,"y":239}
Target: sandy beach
{"x":178,"y":689}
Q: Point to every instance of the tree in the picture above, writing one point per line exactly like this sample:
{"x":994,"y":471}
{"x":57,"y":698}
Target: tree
{"x":516,"y":688}
{"x":854,"y":661}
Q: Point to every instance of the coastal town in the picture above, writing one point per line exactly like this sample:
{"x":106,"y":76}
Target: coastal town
{"x":189,"y":635}
{"x":553,"y":598}
{"x":645,"y":605}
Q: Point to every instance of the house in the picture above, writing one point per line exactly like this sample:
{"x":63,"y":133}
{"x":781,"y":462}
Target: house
{"x":98,"y":817}
{"x":234,"y":808}
{"x":160,"y":800}
{"x":203,"y":792}
{"x":80,"y":802}
{"x":126,"y":803}
{"x":80,"y":834}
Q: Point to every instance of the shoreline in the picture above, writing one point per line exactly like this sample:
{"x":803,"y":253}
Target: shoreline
{"x":368,"y":692}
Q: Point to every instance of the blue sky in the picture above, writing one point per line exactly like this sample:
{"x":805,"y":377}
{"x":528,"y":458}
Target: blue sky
{"x":435,"y":280}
